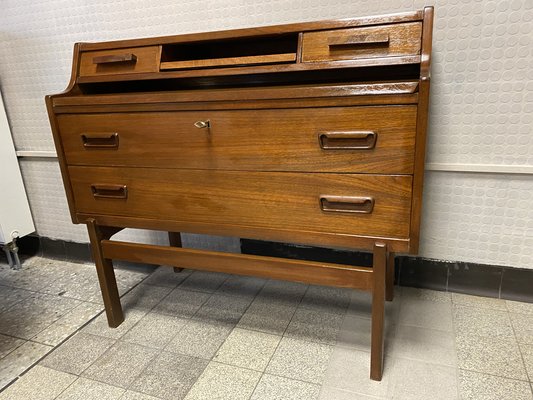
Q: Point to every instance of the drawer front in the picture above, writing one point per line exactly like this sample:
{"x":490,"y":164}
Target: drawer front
{"x":120,"y":61}
{"x":366,"y":205}
{"x":335,"y":139}
{"x":355,"y":43}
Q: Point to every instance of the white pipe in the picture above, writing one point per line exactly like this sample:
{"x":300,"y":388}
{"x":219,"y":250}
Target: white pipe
{"x":36,"y":154}
{"x":481,"y":168}
{"x":477,"y":168}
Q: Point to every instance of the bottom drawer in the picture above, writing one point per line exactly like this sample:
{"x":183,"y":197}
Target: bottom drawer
{"x":366,"y":205}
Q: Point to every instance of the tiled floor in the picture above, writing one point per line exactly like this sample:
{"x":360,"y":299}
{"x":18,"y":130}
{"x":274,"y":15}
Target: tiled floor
{"x":208,"y":336}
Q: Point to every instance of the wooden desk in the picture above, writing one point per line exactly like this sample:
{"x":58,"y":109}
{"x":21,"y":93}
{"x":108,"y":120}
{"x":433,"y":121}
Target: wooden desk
{"x":309,"y":133}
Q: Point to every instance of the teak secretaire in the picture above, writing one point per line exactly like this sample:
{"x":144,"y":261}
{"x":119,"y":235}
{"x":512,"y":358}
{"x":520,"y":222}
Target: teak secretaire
{"x":310,"y":133}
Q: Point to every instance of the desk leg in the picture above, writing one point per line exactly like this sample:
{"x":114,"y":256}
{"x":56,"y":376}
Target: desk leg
{"x":379,"y":269}
{"x":174,"y":239}
{"x":390,"y":278}
{"x":106,"y":274}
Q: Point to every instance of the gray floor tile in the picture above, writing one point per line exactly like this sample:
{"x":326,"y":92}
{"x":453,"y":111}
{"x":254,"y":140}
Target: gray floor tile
{"x":68,"y":324}
{"x":491,"y":355}
{"x":166,"y":277}
{"x":329,"y":299}
{"x":27,"y":318}
{"x":478,"y":301}
{"x":121,"y":364}
{"x":416,"y":380}
{"x":182,"y":303}
{"x":70,"y":280}
{"x":527,"y":355}
{"x":8,"y":344}
{"x":283,"y":293}
{"x":237,"y":285}
{"x":272,"y":387}
{"x":247,"y":349}
{"x":315,"y":325}
{"x":204,"y":281}
{"x":267,"y":316}
{"x":298,"y":359}
{"x":424,"y":294}
{"x":481,"y":322}
{"x":39,"y":383}
{"x":131,"y":395}
{"x":476,"y":386}
{"x":331,"y":393}
{"x":100,"y":327}
{"x":86,"y":389}
{"x":355,"y":333}
{"x":519,"y":307}
{"x":77,"y":353}
{"x":21,"y":359}
{"x":35,"y":275}
{"x":523,"y":327}
{"x":224,"y":309}
{"x":155,"y":330}
{"x":199,"y":339}
{"x":361,"y":306}
{"x":224,"y":382}
{"x":349,"y":370}
{"x":429,"y":345}
{"x":426,"y":314}
{"x":144,"y":297}
{"x":10,"y":296}
{"x":169,"y":376}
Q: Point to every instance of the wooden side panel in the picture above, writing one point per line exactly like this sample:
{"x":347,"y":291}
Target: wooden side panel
{"x":336,"y":139}
{"x":289,"y":201}
{"x":369,"y":42}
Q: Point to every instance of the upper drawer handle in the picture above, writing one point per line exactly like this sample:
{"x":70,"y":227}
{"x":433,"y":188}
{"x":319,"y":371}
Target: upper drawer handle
{"x":100,"y":140}
{"x":350,"y":140}
{"x":115,"y":58}
{"x":347,"y":204}
{"x":359,"y":40}
{"x":110,"y":191}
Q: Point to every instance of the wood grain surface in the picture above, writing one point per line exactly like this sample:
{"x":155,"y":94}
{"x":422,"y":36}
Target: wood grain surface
{"x":267,"y":140}
{"x":258,"y":199}
{"x":354,"y":43}
{"x":146,"y":60}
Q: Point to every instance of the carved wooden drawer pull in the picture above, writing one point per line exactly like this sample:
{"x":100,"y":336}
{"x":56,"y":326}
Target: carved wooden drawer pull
{"x":349,"y":140}
{"x":110,"y":191}
{"x":100,"y":140}
{"x":115,"y":58}
{"x":347,"y":204}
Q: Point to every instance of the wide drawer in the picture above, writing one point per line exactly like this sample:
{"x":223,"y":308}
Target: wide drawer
{"x":120,"y":61}
{"x":367,"y":205}
{"x":335,"y":139}
{"x":368,"y":42}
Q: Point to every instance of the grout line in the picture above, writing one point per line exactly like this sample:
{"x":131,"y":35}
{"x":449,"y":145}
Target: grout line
{"x":282,"y":336}
{"x":519,"y":348}
{"x":501,"y":284}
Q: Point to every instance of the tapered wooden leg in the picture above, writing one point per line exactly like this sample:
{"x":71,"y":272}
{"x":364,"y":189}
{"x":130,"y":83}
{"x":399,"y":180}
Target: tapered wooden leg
{"x":174,"y":239}
{"x":379,"y":269}
{"x":106,"y":274}
{"x":389,"y":295}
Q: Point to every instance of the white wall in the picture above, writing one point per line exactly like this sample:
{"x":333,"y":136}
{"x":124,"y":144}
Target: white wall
{"x":481,"y":104}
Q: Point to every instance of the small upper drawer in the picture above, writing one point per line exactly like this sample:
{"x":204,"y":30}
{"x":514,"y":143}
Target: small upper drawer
{"x":368,"y":42}
{"x":120,"y":61}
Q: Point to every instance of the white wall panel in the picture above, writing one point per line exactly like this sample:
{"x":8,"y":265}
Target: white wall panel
{"x":481,"y":101}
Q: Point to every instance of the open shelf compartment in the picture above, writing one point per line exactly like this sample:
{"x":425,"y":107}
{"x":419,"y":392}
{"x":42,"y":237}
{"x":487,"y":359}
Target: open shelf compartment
{"x":227,"y":53}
